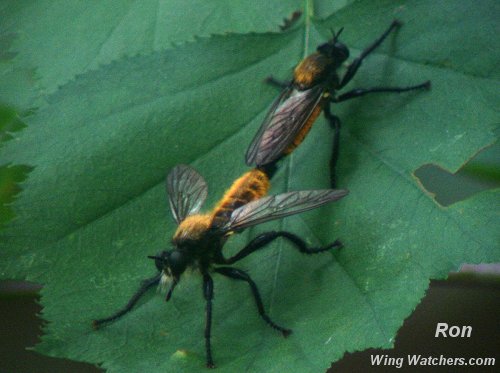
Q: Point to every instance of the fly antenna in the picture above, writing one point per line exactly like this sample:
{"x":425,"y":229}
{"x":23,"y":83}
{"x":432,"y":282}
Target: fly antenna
{"x":336,"y":36}
{"x":332,"y":30}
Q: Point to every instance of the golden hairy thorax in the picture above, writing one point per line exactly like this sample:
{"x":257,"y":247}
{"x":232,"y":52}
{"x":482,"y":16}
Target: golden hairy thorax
{"x":312,"y":70}
{"x":193,"y":227}
{"x":251,"y":186}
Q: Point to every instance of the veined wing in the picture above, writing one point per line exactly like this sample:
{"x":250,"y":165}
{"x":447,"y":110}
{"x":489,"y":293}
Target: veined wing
{"x":284,"y":121}
{"x":279,"y":206}
{"x":187,"y":190}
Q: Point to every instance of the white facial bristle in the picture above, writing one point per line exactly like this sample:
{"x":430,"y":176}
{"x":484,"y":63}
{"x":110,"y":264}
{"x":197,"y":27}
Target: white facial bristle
{"x":165,"y":281}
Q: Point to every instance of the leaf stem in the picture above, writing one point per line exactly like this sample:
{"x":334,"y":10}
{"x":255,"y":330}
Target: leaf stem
{"x":309,"y":13}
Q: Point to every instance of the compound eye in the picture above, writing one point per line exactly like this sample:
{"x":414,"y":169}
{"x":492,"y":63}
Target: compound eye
{"x":341,"y":52}
{"x":324,"y":48}
{"x":177,"y":262}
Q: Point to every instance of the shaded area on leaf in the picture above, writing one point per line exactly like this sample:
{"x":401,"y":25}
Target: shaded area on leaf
{"x":11,"y":175}
{"x":480,"y":173}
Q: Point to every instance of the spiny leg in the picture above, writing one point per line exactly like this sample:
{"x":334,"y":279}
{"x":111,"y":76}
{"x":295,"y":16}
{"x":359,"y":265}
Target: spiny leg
{"x":335,"y":124}
{"x":208,"y":293}
{"x":265,"y":238}
{"x":354,"y":66}
{"x":145,"y":286}
{"x":238,"y":274}
{"x":335,"y":121}
{"x":358,"y":92}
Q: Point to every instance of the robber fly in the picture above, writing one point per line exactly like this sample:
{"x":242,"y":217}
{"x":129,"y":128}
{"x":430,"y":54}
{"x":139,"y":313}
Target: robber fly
{"x":311,"y":91}
{"x":198,"y":241}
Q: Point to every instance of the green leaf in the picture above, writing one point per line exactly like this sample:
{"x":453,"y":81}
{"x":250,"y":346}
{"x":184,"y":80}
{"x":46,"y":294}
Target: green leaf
{"x":10,"y":175}
{"x":62,"y":38}
{"x":94,"y":207}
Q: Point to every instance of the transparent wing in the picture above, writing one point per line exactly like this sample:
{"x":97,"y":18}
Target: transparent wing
{"x":186,"y":191}
{"x":284,"y":120}
{"x":279,"y":206}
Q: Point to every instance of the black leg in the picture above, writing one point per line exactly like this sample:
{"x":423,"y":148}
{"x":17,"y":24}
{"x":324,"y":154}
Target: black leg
{"x":238,"y":274}
{"x":208,"y":293}
{"x":277,"y":83}
{"x":335,"y":124}
{"x":354,"y":66}
{"x":145,"y":285}
{"x":265,"y":238}
{"x":358,"y":92}
{"x":169,"y":293}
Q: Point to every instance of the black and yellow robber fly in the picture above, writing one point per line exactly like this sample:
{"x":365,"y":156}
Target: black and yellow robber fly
{"x":198,"y":241}
{"x":314,"y":86}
